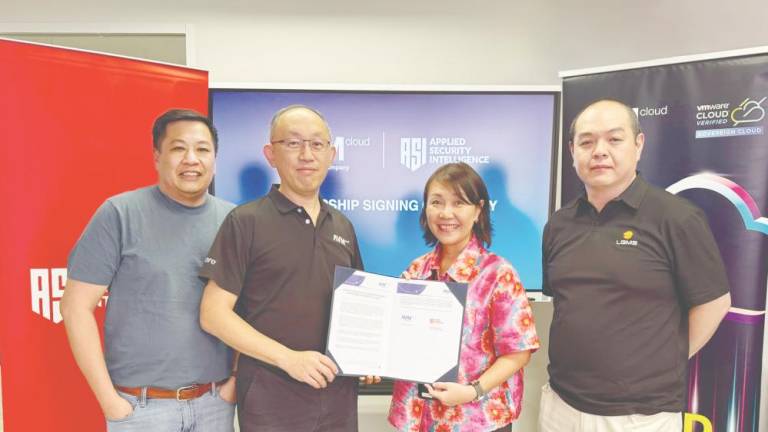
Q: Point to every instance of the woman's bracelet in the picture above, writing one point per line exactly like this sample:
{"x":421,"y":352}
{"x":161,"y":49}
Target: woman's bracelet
{"x":478,"y":389}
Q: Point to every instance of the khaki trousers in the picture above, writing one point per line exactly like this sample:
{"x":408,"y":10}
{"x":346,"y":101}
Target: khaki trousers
{"x":557,"y":416}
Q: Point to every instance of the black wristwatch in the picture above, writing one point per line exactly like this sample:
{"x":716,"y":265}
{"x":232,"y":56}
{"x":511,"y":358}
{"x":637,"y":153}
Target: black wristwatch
{"x":478,"y":389}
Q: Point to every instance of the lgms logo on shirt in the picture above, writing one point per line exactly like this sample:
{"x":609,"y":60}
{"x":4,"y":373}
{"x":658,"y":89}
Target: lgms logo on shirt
{"x":627,"y":239}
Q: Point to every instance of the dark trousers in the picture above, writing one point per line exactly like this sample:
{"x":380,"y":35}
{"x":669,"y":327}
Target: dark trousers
{"x":270,"y":401}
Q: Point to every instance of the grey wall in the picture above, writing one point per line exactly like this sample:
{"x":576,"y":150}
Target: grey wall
{"x":424,"y":42}
{"x":164,"y":48}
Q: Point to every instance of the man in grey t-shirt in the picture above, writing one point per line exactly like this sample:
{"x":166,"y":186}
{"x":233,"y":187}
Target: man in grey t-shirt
{"x":159,"y":370}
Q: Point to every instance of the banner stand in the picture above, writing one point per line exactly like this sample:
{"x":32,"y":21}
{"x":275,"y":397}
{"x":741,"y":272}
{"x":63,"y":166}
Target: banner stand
{"x":77,"y":129}
{"x":704,"y":121}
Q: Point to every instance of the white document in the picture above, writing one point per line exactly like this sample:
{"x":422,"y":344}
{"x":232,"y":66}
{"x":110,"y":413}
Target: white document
{"x":396,"y":328}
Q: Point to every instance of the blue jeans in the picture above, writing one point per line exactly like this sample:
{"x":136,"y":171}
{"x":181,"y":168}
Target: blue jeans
{"x":208,"y":413}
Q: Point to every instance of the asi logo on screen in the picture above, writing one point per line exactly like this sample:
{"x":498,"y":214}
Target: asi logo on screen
{"x":440,"y":150}
{"x":413,"y":152}
{"x":46,"y":289}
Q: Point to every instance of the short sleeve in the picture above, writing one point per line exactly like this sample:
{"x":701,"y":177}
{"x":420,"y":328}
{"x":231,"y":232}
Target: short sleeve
{"x":699,"y":271}
{"x":511,"y":316}
{"x":228,"y":258}
{"x":545,"y":289}
{"x":357,"y":260}
{"x":96,"y":255}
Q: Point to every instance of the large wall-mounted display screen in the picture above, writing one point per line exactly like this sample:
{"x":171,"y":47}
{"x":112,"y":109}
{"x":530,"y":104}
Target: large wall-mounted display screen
{"x":388,"y":143}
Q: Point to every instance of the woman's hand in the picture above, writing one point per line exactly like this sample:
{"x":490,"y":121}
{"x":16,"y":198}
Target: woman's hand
{"x":370,"y":379}
{"x":451,"y":393}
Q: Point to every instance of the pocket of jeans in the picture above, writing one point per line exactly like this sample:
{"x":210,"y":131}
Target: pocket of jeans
{"x":134,"y":406}
{"x":218,"y":396}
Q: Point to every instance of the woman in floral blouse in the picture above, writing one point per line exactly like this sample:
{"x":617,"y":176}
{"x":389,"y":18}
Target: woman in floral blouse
{"x":498,"y":331}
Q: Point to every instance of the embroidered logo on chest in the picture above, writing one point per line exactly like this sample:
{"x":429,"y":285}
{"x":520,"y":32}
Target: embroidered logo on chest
{"x":341,"y":240}
{"x":627,"y":239}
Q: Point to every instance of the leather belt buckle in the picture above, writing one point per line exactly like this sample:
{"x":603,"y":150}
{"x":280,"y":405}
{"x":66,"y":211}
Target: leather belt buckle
{"x":181,"y":389}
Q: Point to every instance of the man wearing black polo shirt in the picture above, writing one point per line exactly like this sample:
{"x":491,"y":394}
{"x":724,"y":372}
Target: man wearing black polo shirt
{"x":275,"y":258}
{"x":637,"y":283}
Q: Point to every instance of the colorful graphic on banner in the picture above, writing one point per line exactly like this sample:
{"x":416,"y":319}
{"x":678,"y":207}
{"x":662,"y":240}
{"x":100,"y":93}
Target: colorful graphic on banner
{"x":388,"y":144}
{"x":705,"y":140}
{"x":76,"y":129}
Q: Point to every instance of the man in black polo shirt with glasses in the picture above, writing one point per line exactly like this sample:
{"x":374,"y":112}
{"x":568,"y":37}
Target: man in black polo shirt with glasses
{"x":638,"y":287}
{"x":275,"y":258}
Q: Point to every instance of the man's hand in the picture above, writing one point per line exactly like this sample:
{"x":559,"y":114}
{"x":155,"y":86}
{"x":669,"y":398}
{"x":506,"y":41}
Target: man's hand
{"x":370,"y":379}
{"x":309,"y":367}
{"x":77,"y":306}
{"x":703,"y":321}
{"x":117,"y":408}
{"x":227,"y":391}
{"x":451,"y":393}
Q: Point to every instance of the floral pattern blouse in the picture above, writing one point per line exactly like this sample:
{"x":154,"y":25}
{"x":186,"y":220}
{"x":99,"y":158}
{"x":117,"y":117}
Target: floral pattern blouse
{"x":497,"y":321}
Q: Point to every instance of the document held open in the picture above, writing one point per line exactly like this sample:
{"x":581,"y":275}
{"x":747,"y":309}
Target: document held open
{"x":396,"y":328}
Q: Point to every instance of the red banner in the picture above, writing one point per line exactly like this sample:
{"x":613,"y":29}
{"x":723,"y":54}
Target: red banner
{"x":76,"y":129}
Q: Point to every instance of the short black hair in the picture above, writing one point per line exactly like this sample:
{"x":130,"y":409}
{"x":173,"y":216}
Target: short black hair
{"x":178,"y":114}
{"x":634,"y":122}
{"x":468,"y":185}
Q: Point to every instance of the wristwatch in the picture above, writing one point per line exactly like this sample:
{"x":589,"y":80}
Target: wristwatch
{"x":478,"y":389}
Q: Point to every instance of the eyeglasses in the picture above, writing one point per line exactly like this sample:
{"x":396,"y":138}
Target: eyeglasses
{"x":295,"y":144}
